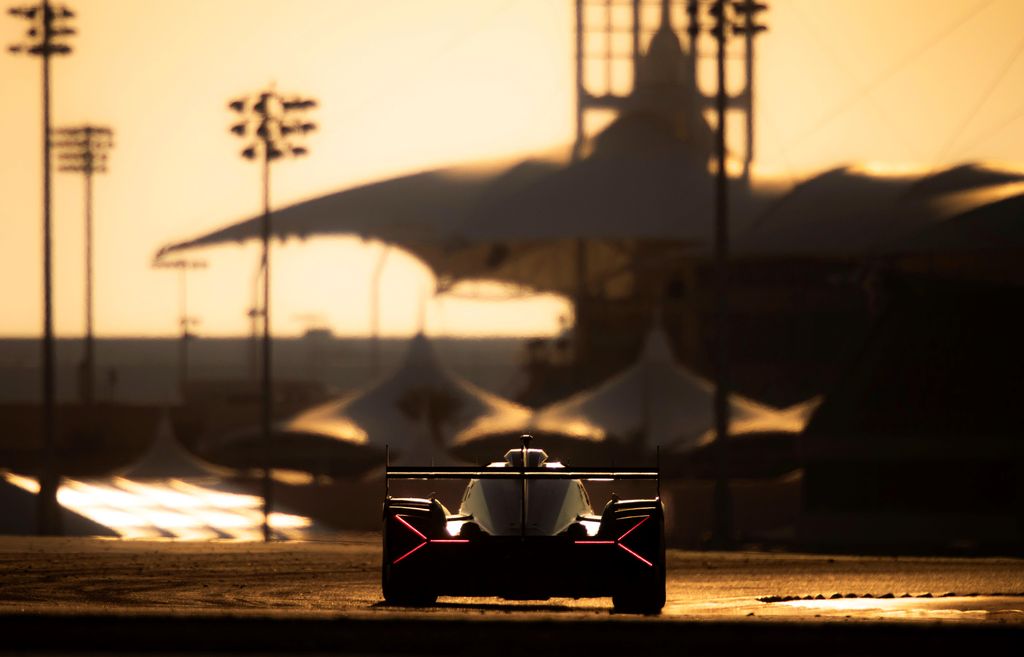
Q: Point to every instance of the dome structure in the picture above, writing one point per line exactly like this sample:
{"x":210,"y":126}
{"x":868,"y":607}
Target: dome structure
{"x":665,"y":86}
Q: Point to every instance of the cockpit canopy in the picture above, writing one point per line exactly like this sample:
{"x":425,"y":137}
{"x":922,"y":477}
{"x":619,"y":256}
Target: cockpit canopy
{"x":496,"y":505}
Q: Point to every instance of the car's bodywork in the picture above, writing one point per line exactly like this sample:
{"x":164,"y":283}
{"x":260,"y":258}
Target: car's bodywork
{"x":524,"y":530}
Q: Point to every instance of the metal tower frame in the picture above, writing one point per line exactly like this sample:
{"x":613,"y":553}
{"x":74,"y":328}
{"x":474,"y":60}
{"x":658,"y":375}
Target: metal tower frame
{"x":600,"y":26}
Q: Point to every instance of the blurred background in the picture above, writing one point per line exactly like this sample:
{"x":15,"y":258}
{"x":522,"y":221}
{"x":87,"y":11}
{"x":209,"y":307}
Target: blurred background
{"x":505,"y":223}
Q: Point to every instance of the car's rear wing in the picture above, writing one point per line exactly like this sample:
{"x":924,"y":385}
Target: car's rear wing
{"x":587,"y":474}
{"x":523,"y":472}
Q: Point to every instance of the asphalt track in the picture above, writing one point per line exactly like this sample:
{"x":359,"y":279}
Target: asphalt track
{"x":61,"y":596}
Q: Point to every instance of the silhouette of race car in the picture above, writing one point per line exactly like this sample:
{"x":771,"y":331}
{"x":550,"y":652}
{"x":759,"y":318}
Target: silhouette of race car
{"x":525,"y":530}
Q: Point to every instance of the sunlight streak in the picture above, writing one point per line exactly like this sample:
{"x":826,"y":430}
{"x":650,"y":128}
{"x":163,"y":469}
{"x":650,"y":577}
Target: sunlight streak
{"x":173,"y":509}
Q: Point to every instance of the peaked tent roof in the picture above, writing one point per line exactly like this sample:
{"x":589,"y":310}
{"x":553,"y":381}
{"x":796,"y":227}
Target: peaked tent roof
{"x":655,"y":402}
{"x":417,"y":411}
{"x":167,"y":459}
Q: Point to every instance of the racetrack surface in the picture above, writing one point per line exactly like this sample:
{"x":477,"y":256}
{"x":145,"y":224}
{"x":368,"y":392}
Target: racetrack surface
{"x":70,"y":594}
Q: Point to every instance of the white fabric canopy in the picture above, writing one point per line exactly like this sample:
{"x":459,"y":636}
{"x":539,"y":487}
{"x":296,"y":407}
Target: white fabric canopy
{"x":655,"y":402}
{"x":417,"y":411}
{"x":166,"y":458}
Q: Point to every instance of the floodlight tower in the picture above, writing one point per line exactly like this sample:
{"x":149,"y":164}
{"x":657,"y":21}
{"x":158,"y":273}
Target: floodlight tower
{"x":48,"y":28}
{"x":84,"y":150}
{"x":269,"y":122}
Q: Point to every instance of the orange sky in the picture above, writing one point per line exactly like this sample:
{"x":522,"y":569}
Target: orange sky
{"x":406,"y":85}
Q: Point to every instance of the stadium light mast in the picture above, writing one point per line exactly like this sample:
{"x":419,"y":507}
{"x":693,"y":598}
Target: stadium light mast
{"x":84,"y":150}
{"x":184,"y":319}
{"x":48,"y":27}
{"x":269,"y":122}
{"x":729,"y":17}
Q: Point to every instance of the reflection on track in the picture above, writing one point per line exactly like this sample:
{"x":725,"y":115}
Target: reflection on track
{"x":341,"y":578}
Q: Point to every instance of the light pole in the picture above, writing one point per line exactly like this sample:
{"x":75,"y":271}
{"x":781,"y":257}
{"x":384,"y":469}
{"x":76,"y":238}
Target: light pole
{"x":729,"y":17}
{"x":48,"y":25}
{"x":84,"y":150}
{"x":184,"y":320}
{"x":269,"y":121}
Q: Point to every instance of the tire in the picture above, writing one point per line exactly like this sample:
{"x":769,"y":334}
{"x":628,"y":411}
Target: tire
{"x":397,"y":592}
{"x":645,"y":597}
{"x":645,"y":594}
{"x":402,"y":596}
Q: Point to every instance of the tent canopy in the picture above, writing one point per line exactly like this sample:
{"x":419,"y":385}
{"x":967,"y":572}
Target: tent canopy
{"x":850,"y":212}
{"x":416,"y":412}
{"x":417,"y":212}
{"x":654,"y":403}
{"x":523,"y":224}
{"x":641,"y":182}
{"x":166,"y":458}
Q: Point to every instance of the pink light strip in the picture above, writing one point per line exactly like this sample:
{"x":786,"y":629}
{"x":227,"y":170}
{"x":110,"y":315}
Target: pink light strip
{"x":618,"y":541}
{"x":409,"y":552}
{"x":635,"y":554}
{"x":423,"y":538}
{"x":630,"y":530}
{"x":411,"y":528}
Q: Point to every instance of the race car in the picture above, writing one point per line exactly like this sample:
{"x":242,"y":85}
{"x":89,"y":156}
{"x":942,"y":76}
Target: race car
{"x":525,"y":530}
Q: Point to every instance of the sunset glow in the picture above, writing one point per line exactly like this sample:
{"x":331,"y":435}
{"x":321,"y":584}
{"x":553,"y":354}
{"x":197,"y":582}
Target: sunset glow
{"x":407,"y":86}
